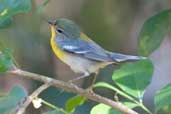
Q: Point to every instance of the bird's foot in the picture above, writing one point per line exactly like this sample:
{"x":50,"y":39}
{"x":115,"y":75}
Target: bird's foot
{"x":90,"y":90}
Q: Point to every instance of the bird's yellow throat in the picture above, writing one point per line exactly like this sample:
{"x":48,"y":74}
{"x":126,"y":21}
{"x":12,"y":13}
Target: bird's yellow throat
{"x":60,"y":54}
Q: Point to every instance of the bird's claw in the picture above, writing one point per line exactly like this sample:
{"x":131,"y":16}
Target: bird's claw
{"x":90,"y":90}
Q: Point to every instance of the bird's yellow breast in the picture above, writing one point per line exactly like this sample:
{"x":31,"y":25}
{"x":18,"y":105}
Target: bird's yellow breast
{"x":59,"y":53}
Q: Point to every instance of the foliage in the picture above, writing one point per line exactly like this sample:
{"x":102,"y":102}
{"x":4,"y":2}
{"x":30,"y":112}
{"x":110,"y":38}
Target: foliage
{"x":11,"y":100}
{"x":5,"y":60}
{"x":162,"y":98}
{"x":153,"y":32}
{"x":74,"y":102}
{"x":103,"y":109}
{"x":9,"y":8}
{"x":133,"y":78}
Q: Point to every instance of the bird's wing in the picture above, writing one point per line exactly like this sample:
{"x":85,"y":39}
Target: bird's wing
{"x":85,"y":49}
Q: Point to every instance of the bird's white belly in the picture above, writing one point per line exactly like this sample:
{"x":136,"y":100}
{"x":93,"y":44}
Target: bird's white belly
{"x":83,"y":65}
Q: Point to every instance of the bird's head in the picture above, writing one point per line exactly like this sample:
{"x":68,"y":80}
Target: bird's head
{"x":64,"y":27}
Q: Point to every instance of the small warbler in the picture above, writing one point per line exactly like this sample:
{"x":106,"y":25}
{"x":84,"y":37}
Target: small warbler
{"x":78,"y":51}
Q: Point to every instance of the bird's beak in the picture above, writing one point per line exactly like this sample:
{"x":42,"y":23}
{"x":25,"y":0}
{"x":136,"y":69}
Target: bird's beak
{"x":52,"y":22}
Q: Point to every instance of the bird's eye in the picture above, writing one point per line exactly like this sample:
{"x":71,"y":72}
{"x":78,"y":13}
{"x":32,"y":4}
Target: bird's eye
{"x":59,"y":30}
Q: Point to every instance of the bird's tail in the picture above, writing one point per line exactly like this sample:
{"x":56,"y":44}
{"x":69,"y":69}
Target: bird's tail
{"x":121,"y":57}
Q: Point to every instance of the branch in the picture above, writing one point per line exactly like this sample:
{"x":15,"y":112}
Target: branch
{"x":72,"y":88}
{"x":29,"y":99}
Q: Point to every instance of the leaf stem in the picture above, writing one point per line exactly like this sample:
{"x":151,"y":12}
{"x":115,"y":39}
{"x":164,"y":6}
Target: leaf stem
{"x":145,"y":108}
{"x":55,"y":107}
{"x":106,"y":85}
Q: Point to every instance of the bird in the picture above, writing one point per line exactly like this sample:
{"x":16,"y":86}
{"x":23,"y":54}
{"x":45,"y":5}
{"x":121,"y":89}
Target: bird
{"x":83,"y":55}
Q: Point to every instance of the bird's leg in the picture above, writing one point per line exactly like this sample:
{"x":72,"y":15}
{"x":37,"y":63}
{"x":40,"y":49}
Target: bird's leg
{"x":94,"y":80}
{"x":80,"y":77}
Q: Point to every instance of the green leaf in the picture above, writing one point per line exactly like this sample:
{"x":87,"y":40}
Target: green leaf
{"x":153,"y":32}
{"x":165,"y":110}
{"x":5,"y":60}
{"x":9,"y":102}
{"x":163,"y":98}
{"x":133,"y":78}
{"x":104,"y":109}
{"x":52,"y":112}
{"x":9,"y":8}
{"x":74,"y":102}
{"x":5,"y":22}
{"x":130,"y":104}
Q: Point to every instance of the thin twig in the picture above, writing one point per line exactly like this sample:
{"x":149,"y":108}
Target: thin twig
{"x":29,"y":99}
{"x":73,"y":88}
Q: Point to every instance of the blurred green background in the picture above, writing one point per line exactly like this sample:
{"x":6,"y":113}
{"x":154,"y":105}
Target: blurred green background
{"x":114,"y":24}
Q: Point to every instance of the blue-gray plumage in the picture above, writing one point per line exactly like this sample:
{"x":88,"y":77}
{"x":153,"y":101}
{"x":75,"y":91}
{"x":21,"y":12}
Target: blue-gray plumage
{"x":83,"y":48}
{"x":79,"y":52}
{"x":92,"y":51}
